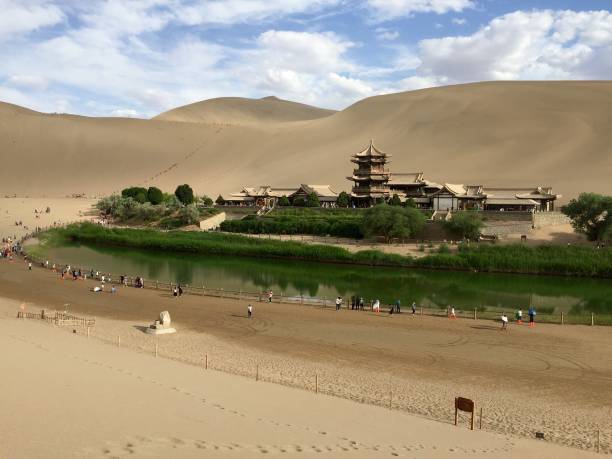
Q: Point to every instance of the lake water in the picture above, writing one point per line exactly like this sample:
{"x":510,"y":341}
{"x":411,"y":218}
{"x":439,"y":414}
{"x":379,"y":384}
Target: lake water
{"x":428,"y":288}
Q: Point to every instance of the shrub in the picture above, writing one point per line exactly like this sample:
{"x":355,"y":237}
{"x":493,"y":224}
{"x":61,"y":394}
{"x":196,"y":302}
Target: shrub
{"x":184,"y":193}
{"x":134,"y":192}
{"x":205,"y":201}
{"x":444,"y":249}
{"x":189,"y":215}
{"x":392,"y":222}
{"x":395,"y":200}
{"x":465,"y":225}
{"x":299,"y":202}
{"x":283,"y":201}
{"x":155,"y":195}
{"x":313,"y":200}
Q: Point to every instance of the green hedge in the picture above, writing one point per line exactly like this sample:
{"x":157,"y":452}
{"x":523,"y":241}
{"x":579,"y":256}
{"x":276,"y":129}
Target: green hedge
{"x":559,"y":260}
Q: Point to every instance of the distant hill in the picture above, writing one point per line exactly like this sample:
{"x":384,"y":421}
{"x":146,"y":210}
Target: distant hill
{"x":501,"y":133}
{"x":238,"y":110}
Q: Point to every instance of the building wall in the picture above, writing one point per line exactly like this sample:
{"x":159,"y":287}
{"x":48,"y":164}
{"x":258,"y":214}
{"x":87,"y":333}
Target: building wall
{"x":544,"y":219}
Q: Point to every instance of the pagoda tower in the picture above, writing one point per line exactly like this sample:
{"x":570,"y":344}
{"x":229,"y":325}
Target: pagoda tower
{"x":370,"y":178}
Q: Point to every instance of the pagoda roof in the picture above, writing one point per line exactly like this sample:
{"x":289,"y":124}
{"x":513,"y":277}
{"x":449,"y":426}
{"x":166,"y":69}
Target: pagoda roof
{"x":408,"y":178}
{"x":371,"y":152}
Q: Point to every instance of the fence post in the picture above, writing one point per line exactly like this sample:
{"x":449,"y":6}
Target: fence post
{"x":257,"y":372}
{"x":421,"y":310}
{"x":316,"y":383}
{"x":301,"y":299}
{"x":592,"y":319}
{"x":156,"y":344}
{"x":391,"y":399}
{"x":156,"y":286}
{"x":480,"y":423}
{"x":87,"y":332}
{"x":561,"y":317}
{"x":474,"y":313}
{"x":598,"y":440}
{"x":206,"y":362}
{"x":118,"y":340}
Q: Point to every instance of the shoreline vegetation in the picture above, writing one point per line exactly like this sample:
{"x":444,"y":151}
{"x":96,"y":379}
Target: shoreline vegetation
{"x":519,"y":259}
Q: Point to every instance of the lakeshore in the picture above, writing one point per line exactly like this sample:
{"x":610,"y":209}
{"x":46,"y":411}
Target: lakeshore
{"x":425,"y":362}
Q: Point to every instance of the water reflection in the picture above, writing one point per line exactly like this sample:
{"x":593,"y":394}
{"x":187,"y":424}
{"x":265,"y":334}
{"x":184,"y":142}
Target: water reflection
{"x":429,"y":288}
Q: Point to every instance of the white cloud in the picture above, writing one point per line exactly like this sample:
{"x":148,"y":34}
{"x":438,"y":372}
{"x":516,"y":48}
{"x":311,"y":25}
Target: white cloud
{"x":33,"y":82}
{"x":125,"y":113}
{"x":459,"y":21}
{"x":237,"y":11}
{"x":525,"y":45}
{"x":386,"y":34}
{"x":17,"y":17}
{"x":391,"y":9}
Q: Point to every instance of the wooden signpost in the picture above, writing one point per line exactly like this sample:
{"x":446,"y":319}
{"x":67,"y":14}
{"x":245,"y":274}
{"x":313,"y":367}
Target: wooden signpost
{"x":464,"y":404}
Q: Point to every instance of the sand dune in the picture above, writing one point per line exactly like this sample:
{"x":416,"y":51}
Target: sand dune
{"x":519,"y":133}
{"x":238,"y":110}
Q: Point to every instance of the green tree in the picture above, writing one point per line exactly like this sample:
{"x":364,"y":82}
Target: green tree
{"x":465,"y":225}
{"x":220,"y":201}
{"x":155,"y":196}
{"x":184,"y":193}
{"x":206,"y":201}
{"x":591,"y":214}
{"x":395,"y":200}
{"x":343,"y":200}
{"x":139,"y":194}
{"x":299,"y":202}
{"x":390,"y":222}
{"x":313,"y":200}
{"x":283,"y":201}
{"x":410,"y":203}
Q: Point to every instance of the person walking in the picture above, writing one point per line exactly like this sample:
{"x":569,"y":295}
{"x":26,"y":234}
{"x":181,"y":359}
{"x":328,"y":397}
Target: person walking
{"x":361,"y":303}
{"x":413,"y":307}
{"x":174,"y":292}
{"x":519,"y":317}
{"x":180,"y":290}
{"x":504,"y":321}
{"x":270,"y":296}
{"x":338,"y":303}
{"x":29,"y":266}
{"x":532,"y":313}
{"x":398,"y":306}
{"x":376,"y":306}
{"x":249,"y":311}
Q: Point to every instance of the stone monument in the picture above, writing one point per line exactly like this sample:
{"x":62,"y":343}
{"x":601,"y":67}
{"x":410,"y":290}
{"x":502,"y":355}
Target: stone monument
{"x":161,"y":326}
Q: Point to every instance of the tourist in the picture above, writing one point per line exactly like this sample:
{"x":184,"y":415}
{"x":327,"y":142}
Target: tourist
{"x":376,"y":306}
{"x":97,"y":289}
{"x":270,"y":296}
{"x":504,"y":320}
{"x":180,"y":290}
{"x":338,"y":303}
{"x":519,"y":316}
{"x":249,"y":311}
{"x":391,"y":310}
{"x":532,"y":313}
{"x":397,"y":306}
{"x":452,"y":313}
{"x":174,"y":292}
{"x":29,"y":265}
{"x":353,"y":302}
{"x":113,"y":289}
{"x":361,"y":303}
{"x":413,"y":307}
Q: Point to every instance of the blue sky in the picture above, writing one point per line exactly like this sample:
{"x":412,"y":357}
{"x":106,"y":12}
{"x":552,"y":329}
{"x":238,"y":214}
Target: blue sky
{"x":141,"y":57}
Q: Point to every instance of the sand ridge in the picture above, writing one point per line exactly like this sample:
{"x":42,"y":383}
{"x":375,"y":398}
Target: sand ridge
{"x":496,"y":134}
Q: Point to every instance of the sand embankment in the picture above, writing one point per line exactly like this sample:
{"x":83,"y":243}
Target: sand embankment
{"x":552,"y":379}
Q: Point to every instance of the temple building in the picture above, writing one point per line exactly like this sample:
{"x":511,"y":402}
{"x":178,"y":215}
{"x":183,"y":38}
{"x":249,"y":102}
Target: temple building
{"x":373,"y":182}
{"x":268,"y":196}
{"x":370,"y":178}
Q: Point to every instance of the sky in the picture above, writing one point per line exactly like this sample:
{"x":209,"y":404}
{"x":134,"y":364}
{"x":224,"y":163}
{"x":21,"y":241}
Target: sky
{"x":138,"y":58}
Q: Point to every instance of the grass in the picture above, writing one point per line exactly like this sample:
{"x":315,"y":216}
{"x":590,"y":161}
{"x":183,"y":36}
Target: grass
{"x":557,"y":260}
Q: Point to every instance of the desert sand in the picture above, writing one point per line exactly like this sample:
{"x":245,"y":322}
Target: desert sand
{"x":19,"y":209}
{"x":68,"y":396}
{"x":552,"y":379}
{"x":501,"y":133}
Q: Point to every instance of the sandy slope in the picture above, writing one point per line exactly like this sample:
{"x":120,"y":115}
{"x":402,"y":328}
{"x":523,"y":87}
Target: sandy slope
{"x":519,"y":133}
{"x":64,"y":395}
{"x":553,"y":379}
{"x":238,"y":110}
